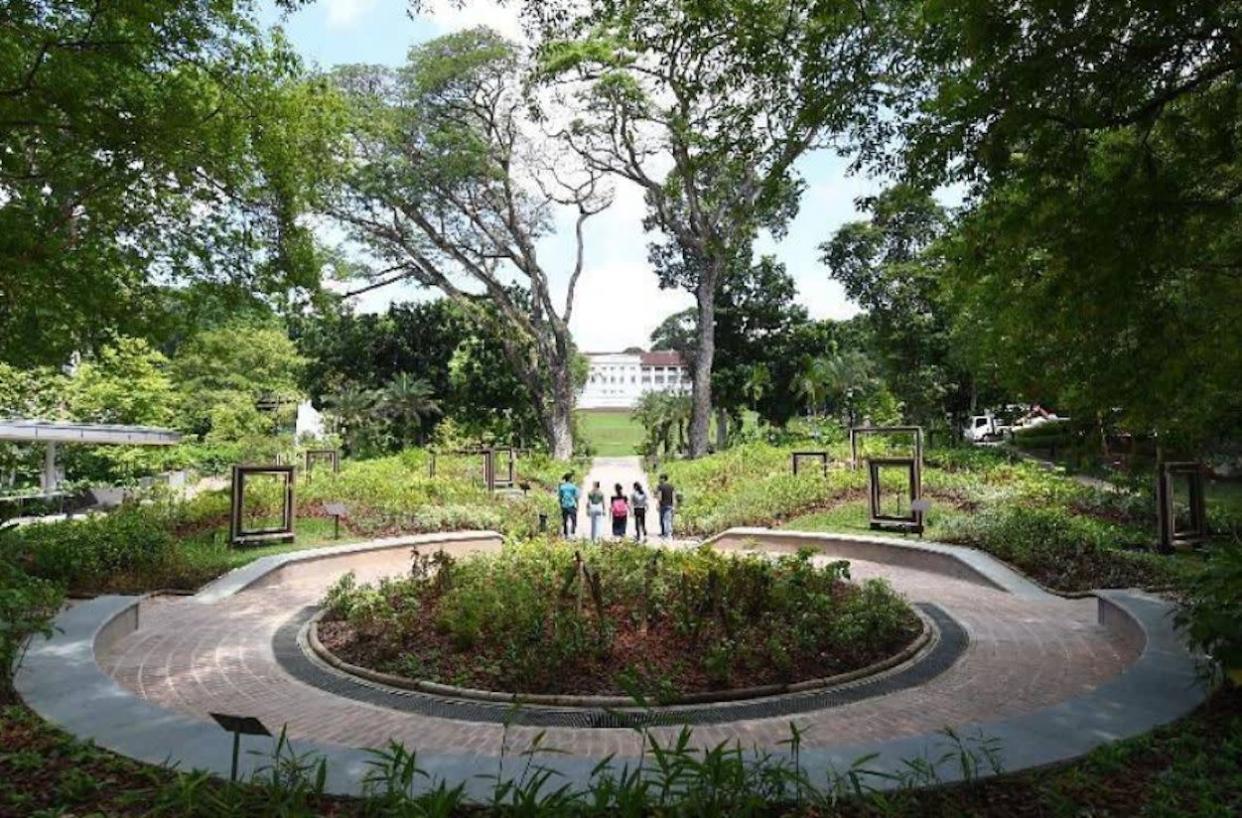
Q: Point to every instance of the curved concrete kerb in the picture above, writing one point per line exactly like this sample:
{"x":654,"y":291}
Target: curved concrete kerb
{"x":1047,"y":678}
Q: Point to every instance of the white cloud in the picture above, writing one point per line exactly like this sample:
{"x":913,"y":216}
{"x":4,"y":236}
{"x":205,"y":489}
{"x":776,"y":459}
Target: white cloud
{"x":503,"y":19}
{"x":618,"y":306}
{"x":344,"y":13}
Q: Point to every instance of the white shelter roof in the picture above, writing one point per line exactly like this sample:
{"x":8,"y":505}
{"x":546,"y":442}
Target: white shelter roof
{"x":52,"y":431}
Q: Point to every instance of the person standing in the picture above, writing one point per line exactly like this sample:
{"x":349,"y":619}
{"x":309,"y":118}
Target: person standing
{"x":668,"y":500}
{"x":567,"y":493}
{"x":638,"y":503}
{"x":595,"y":509}
{"x":620,"y":511}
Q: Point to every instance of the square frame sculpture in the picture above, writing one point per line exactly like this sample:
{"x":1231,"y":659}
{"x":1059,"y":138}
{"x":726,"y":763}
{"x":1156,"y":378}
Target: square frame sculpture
{"x":913,"y":521}
{"x":858,"y":431}
{"x":1170,"y":536}
{"x":505,"y":480}
{"x":238,"y":534}
{"x":314,"y":456}
{"x":821,"y":456}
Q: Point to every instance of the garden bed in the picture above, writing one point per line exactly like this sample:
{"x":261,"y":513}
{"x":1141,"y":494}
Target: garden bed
{"x":543,"y":618}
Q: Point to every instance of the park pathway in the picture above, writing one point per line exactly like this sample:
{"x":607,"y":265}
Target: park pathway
{"x":608,"y":471}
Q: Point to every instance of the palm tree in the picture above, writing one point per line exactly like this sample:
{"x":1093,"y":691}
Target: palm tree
{"x":409,"y":403}
{"x":758,"y":382}
{"x":352,"y":407}
{"x":847,"y":375}
{"x":811,"y":384}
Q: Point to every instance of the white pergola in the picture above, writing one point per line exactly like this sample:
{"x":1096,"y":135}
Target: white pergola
{"x":51,"y":432}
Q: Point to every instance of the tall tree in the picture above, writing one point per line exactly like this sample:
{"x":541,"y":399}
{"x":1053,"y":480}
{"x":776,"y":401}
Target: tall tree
{"x":145,"y":141}
{"x":444,"y":182}
{"x":757,"y":315}
{"x":889,"y":266}
{"x":1098,"y":258}
{"x":730,"y":94}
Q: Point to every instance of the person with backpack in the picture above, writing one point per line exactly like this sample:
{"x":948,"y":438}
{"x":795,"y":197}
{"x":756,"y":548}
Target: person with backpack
{"x":567,"y":493}
{"x":620,"y":511}
{"x":595,"y":509}
{"x":638,"y":502}
{"x":668,"y":500}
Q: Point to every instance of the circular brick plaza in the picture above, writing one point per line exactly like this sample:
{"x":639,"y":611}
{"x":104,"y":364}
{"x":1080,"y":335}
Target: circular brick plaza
{"x":1044,"y":678}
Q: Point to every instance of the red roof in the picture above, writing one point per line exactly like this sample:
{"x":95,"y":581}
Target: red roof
{"x":661,"y":357}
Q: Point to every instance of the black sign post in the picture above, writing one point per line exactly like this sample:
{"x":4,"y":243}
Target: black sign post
{"x":337,"y":510}
{"x":239,"y":726}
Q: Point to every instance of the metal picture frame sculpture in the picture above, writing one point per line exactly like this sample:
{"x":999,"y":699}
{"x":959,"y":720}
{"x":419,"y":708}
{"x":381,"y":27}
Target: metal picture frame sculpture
{"x":492,"y":478}
{"x":911,"y":521}
{"x":858,"y":431}
{"x":238,"y":533}
{"x":821,"y":456}
{"x":314,"y":456}
{"x":496,"y":480}
{"x":1170,"y":535}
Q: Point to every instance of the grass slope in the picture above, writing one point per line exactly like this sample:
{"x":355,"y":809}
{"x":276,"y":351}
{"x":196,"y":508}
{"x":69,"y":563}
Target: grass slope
{"x":610,"y":432}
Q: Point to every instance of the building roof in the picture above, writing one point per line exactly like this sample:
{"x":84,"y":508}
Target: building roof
{"x":656,"y":357}
{"x":662,"y":357}
{"x":51,"y":431}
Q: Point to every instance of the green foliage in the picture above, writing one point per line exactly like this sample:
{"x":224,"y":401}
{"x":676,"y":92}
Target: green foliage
{"x":145,"y":140}
{"x":883,"y":265}
{"x":127,"y":382}
{"x":1061,"y":549}
{"x":27,"y":606}
{"x":396,"y":494}
{"x":1211,"y":610}
{"x":1101,"y":229}
{"x":86,"y":552}
{"x":444,"y":146}
{"x":533,"y":618}
{"x":665,"y":418}
{"x":661,"y":79}
{"x":222,"y":373}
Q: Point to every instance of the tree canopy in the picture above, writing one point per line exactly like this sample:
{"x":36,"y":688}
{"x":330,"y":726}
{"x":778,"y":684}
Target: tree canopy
{"x":146,"y":141}
{"x":1097,"y":258}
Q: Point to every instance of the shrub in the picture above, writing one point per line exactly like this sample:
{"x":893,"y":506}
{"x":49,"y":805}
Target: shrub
{"x":91,"y":552}
{"x":27,"y":606}
{"x":536,"y":619}
{"x":1059,"y":549}
{"x":1211,"y":611}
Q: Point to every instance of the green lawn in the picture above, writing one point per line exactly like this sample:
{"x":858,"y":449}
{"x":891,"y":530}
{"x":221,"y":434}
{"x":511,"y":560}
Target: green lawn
{"x":610,"y":432}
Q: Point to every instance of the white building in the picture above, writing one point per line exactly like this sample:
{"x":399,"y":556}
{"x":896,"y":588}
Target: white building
{"x":618,"y":379}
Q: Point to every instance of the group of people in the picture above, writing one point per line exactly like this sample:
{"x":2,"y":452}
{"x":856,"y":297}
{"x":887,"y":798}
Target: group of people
{"x":620,"y":507}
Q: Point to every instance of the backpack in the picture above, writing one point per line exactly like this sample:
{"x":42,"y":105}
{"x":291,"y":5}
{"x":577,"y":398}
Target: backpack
{"x":619,"y":508}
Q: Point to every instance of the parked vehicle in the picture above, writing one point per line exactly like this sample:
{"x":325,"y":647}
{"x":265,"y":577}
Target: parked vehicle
{"x":984,"y":428}
{"x":990,"y":427}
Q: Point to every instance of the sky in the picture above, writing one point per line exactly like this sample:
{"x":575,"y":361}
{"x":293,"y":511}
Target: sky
{"x":618,"y":300}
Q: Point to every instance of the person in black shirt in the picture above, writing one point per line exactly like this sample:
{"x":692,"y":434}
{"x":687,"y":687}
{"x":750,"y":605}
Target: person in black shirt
{"x":667,"y":497}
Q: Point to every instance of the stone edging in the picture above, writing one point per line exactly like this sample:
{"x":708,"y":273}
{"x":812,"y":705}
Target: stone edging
{"x":265,"y":569}
{"x":61,"y":681}
{"x":709,"y":697}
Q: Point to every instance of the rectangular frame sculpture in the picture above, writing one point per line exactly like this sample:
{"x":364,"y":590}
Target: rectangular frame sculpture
{"x":913,"y":521}
{"x":238,"y":535}
{"x":858,"y":431}
{"x":490,"y":475}
{"x":821,"y":456}
{"x":1170,"y":536}
{"x":313,"y":456}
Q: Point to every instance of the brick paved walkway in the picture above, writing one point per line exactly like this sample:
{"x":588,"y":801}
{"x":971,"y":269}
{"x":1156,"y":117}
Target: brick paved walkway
{"x":1026,"y":652}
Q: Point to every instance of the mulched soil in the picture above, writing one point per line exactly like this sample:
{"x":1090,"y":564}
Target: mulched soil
{"x":659,"y":654}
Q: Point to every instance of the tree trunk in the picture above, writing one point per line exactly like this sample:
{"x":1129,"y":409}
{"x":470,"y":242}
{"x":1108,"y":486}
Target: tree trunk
{"x":701,"y":397}
{"x":558,"y":416}
{"x":722,"y":428}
